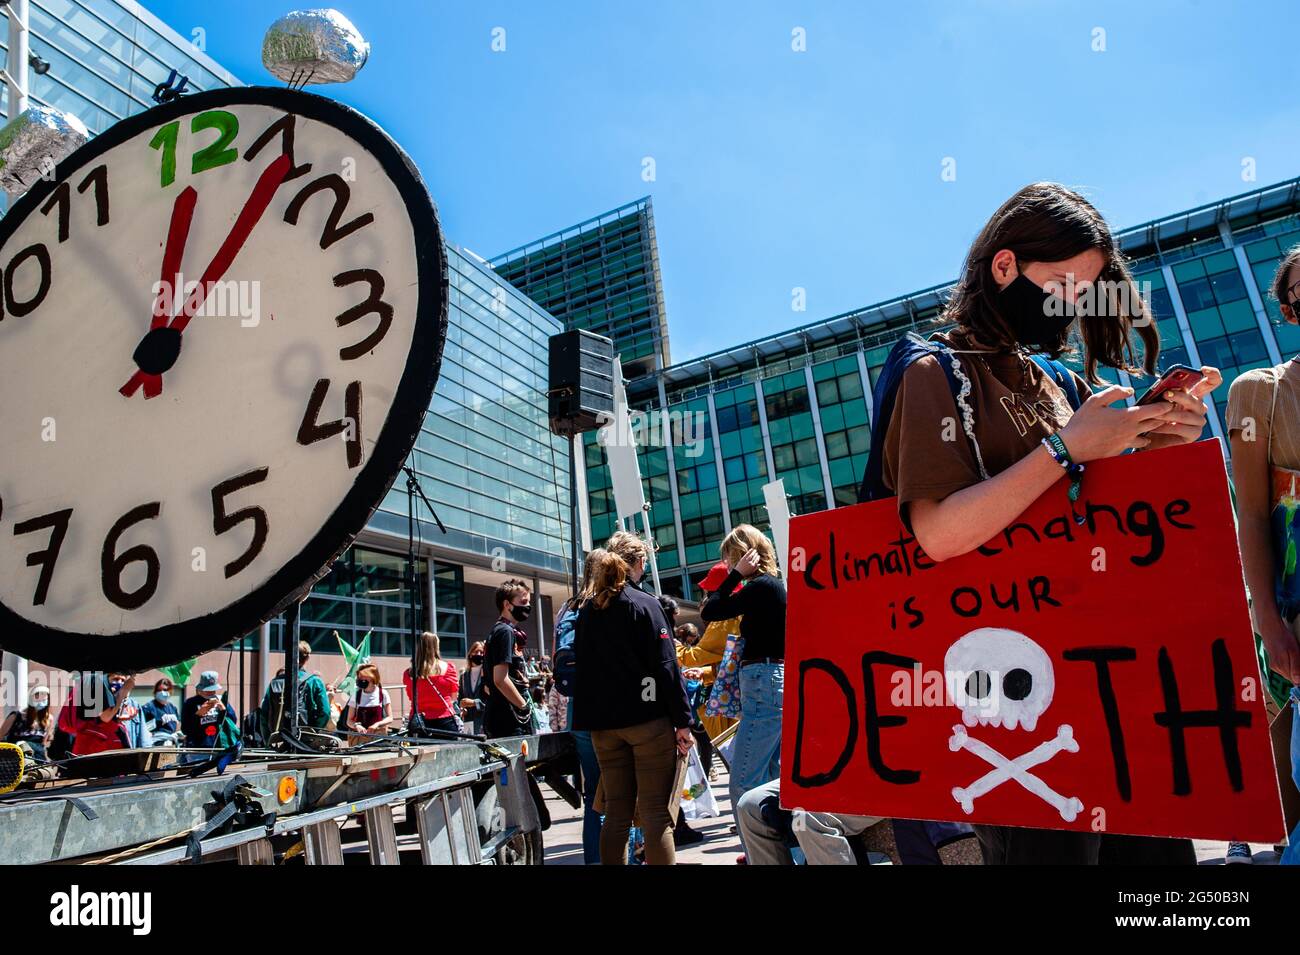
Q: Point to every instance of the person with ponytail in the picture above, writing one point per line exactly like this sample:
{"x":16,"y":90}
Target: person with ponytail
{"x":1043,"y":275}
{"x":631,"y":698}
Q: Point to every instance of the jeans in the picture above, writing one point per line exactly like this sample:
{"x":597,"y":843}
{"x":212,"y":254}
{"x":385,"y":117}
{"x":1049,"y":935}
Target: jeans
{"x":823,"y":836}
{"x":590,"y":779}
{"x":756,"y":757}
{"x":1292,"y":854}
{"x":638,"y":767}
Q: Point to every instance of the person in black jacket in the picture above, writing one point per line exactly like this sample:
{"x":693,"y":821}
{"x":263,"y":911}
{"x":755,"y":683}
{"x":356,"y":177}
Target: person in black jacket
{"x":632,"y":699}
{"x":761,"y":608}
{"x":471,"y":682}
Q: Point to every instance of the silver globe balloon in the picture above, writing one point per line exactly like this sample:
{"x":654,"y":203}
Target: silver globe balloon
{"x":34,"y":142}
{"x":314,"y":46}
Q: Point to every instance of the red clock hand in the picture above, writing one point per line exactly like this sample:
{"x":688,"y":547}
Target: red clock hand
{"x":177,"y":234}
{"x":160,"y":348}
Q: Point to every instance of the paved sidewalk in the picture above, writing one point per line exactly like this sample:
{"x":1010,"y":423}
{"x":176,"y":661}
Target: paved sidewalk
{"x":721,"y":846}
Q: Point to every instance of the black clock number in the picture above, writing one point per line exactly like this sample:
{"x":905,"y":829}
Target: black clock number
{"x":112,"y":564}
{"x":342,"y":193}
{"x":211,"y":156}
{"x":10,"y":302}
{"x":62,"y":198}
{"x":222,"y":522}
{"x":313,"y":429}
{"x":57,"y":522}
{"x":374,"y":304}
{"x":282,"y":127}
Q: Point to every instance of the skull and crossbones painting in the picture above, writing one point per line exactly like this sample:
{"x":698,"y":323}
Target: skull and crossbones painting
{"x":1001,"y":678}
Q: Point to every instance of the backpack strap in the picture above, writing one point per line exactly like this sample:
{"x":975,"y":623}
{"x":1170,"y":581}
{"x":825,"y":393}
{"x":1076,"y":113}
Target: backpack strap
{"x":908,"y":350}
{"x":1061,"y":375}
{"x":959,"y":385}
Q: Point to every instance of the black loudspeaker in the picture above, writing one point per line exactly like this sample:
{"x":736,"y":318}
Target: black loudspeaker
{"x":581,"y":386}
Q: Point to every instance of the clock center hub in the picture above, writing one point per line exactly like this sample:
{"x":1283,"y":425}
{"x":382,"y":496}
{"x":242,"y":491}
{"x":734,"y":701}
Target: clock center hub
{"x":158,"y":350}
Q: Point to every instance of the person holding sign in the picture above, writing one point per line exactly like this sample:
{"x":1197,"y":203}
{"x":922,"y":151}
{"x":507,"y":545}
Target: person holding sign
{"x":981,"y":426}
{"x":761,"y":606}
{"x":1264,"y":429}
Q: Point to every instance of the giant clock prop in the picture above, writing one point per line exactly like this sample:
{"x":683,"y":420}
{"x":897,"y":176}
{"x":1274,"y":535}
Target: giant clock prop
{"x":222,"y":322}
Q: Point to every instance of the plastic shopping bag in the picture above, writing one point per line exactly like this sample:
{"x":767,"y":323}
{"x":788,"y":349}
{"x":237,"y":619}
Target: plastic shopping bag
{"x":697,"y":797}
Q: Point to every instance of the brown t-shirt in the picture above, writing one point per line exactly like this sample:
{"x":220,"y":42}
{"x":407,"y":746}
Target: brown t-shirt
{"x":1014,"y":404}
{"x":1250,"y":406}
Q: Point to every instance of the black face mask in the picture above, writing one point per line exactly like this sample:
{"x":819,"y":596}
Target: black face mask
{"x":520,"y":613}
{"x":1037,"y":317}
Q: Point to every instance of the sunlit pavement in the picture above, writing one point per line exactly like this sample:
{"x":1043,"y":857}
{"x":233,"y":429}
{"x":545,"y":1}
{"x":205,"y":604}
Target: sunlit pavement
{"x":721,"y":845}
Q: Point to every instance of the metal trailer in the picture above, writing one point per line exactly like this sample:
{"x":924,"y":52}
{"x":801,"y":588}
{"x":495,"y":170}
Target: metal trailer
{"x":460,"y":803}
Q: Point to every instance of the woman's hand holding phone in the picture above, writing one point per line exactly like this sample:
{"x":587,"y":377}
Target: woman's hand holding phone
{"x":1098,"y":430}
{"x":1185,"y":422}
{"x":1176,"y":417}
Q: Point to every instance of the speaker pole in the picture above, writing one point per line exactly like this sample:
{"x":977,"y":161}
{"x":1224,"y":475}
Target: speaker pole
{"x":575,"y":442}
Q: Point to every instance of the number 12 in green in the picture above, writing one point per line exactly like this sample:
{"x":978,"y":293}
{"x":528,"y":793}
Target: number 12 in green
{"x":215,"y":154}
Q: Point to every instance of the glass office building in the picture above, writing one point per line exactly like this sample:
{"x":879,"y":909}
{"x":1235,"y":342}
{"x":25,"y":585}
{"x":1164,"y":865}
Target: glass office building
{"x":106,"y":57}
{"x":601,"y":275}
{"x":488,"y":463}
{"x":485,"y":458}
{"x":492,"y":470}
{"x":797,"y":405}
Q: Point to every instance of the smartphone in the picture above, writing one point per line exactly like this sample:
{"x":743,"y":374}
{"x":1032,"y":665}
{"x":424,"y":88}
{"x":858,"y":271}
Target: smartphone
{"x":1173,"y":377}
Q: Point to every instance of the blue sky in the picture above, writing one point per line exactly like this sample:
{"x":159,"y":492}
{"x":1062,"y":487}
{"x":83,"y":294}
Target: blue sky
{"x":819,"y":169}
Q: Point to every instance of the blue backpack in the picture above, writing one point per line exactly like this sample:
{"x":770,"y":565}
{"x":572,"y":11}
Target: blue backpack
{"x":911,"y":348}
{"x":564,"y":669}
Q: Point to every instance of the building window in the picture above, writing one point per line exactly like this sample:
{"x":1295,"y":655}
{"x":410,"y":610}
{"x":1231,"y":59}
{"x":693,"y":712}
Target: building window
{"x":364,"y":592}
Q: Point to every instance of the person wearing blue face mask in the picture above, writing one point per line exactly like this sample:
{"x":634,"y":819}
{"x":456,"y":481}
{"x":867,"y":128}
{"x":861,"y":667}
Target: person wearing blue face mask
{"x":160,"y":713}
{"x":32,"y":725}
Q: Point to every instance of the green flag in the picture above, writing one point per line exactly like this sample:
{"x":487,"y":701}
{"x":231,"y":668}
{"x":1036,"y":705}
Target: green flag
{"x":354,"y":657}
{"x":179,"y":673}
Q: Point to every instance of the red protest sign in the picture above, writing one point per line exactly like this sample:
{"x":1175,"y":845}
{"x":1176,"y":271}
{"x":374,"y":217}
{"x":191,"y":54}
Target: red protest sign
{"x":1096,"y":677}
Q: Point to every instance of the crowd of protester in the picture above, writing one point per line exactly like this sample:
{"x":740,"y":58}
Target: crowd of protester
{"x":639,"y":690}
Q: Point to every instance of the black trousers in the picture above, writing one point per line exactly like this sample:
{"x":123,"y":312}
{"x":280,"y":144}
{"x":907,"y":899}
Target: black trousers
{"x":504,"y":720}
{"x":1009,"y":845}
{"x":705,"y":745}
{"x":446,"y":723}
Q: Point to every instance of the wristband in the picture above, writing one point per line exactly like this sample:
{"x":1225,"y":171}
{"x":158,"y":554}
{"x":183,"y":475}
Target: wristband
{"x":1061,"y":455}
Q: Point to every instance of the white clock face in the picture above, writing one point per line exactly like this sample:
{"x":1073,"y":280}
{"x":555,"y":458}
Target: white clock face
{"x":221,"y":326}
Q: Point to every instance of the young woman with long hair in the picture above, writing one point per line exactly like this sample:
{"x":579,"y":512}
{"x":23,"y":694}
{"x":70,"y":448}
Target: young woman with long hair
{"x":471,"y":682}
{"x":756,"y":754}
{"x":630,"y":697}
{"x":438,"y":685}
{"x":32,"y":724}
{"x":1031,"y":284}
